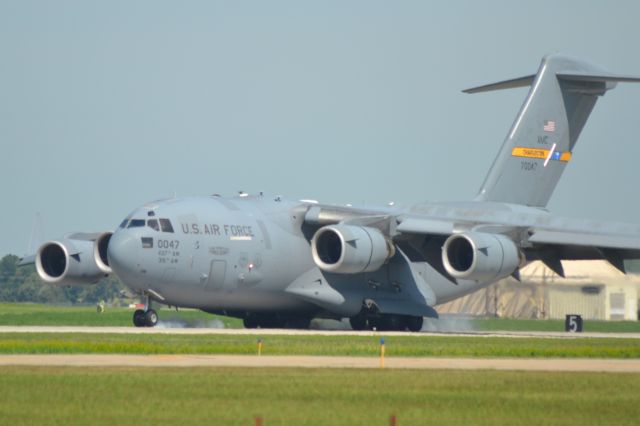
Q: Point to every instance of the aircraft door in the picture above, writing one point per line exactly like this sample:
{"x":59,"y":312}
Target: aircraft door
{"x":217,"y":274}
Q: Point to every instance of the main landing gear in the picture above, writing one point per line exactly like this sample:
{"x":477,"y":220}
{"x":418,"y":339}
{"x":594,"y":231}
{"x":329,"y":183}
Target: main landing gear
{"x":386,"y":322}
{"x":146,"y":317}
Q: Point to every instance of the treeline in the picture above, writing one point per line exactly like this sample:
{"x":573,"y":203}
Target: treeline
{"x":22,"y":284}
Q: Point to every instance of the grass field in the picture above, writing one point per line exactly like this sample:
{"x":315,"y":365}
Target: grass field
{"x":108,"y":396}
{"x":34,"y":314}
{"x":418,"y":346}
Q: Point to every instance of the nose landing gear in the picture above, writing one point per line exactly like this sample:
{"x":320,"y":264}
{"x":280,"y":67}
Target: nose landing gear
{"x":146,"y":317}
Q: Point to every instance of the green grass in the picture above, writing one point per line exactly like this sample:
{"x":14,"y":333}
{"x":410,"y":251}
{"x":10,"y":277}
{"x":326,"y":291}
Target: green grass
{"x":508,"y":324}
{"x":36,"y":314}
{"x":422,"y":346}
{"x":227,"y":396}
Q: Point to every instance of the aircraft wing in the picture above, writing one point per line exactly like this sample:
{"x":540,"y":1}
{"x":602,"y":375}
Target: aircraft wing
{"x":550,"y":244}
{"x":583,"y":239}
{"x":538,"y":236}
{"x":27,"y":260}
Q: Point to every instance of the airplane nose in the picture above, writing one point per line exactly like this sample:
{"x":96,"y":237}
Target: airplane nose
{"x":122,"y":252}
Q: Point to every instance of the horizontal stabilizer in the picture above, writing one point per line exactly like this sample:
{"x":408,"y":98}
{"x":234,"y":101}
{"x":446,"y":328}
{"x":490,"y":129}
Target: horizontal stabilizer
{"x":506,"y":84}
{"x":598,"y":78}
{"x":574,"y":76}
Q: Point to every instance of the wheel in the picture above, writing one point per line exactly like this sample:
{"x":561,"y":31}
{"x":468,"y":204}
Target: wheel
{"x":414,"y":323}
{"x":391,"y":322}
{"x":150,"y":318}
{"x":374,"y":323}
{"x":138,"y":318}
{"x":359,"y":322}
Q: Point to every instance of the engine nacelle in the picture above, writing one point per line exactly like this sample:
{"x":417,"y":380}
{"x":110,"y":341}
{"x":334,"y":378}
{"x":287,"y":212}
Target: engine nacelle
{"x":100,"y":252}
{"x":70,"y":262}
{"x":348,"y":249}
{"x":480,"y":256}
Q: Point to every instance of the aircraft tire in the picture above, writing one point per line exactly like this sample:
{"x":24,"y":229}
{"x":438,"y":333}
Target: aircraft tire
{"x":414,"y":323}
{"x":150,"y":318}
{"x":138,"y":318}
{"x":358,"y":323}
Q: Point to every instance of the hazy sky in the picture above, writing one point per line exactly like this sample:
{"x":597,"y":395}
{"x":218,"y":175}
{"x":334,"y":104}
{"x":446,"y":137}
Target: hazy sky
{"x":106,"y":105}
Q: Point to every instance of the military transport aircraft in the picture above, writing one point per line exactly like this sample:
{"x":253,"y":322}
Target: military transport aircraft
{"x":280,"y":263}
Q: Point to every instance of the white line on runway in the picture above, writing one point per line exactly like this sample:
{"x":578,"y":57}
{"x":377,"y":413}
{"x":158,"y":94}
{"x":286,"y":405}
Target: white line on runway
{"x":284,"y":332}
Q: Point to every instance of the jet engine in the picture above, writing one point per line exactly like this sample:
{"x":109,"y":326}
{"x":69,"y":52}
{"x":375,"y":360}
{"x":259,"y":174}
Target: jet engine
{"x":348,"y":249}
{"x":480,"y":256}
{"x":100,"y":252}
{"x":72,"y":262}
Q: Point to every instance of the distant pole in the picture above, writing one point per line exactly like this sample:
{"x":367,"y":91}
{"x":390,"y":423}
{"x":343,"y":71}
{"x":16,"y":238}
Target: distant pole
{"x":382,"y":353}
{"x":393,"y":420}
{"x":259,"y":349}
{"x":258,"y":420}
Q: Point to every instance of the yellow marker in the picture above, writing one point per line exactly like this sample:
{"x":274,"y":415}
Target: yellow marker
{"x":259,"y":347}
{"x":382,"y":353}
{"x":541,"y":154}
{"x":520,"y":151}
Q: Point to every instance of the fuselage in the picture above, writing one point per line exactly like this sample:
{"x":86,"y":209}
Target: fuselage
{"x":214,"y":253}
{"x":242,"y":254}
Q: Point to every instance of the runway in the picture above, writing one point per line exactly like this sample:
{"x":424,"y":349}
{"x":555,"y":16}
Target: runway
{"x":254,"y":361}
{"x":286,"y":332}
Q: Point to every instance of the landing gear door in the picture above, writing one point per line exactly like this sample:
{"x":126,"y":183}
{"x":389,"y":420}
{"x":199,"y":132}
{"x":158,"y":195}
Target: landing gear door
{"x":216,"y":275}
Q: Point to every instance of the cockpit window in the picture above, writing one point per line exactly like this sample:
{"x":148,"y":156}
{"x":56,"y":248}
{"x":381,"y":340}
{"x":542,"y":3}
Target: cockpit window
{"x":124,"y":223}
{"x":136,"y":223}
{"x":166,"y":225}
{"x":153,"y":224}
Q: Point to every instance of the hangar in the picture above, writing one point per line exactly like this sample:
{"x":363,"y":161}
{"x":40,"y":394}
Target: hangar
{"x":594,"y":289}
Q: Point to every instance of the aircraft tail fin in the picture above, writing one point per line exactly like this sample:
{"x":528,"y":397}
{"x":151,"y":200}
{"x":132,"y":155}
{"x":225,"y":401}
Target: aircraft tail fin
{"x":542,"y":138}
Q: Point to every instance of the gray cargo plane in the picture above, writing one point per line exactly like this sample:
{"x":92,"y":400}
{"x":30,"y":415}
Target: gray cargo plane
{"x":279,"y":263}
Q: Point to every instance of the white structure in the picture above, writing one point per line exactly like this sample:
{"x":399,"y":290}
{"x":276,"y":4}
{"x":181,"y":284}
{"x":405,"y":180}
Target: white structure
{"x":593,"y":289}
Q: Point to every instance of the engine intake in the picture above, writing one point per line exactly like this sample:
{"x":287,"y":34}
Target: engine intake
{"x":100,"y":252}
{"x":348,"y":249}
{"x":69,"y":262}
{"x":480,"y":256}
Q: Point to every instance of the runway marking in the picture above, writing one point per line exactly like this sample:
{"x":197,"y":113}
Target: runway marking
{"x":183,"y":361}
{"x":284,"y":332}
